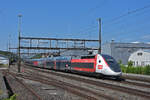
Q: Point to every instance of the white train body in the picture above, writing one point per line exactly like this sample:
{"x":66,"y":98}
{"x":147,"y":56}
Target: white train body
{"x":107,"y":65}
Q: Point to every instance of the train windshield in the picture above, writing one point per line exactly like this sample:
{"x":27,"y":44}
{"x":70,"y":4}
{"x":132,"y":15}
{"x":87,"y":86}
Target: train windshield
{"x":112,"y":63}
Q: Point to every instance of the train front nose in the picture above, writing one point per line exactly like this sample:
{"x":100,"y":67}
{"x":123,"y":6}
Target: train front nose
{"x":116,"y":68}
{"x":113,"y":73}
{"x":118,"y":73}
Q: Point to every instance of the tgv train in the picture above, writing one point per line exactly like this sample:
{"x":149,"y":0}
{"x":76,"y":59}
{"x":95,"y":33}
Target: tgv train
{"x":99,"y":64}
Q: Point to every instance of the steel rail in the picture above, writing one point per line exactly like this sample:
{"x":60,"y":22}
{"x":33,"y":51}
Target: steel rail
{"x":67,"y":87}
{"x":79,"y":87}
{"x":136,"y":78}
{"x":127,"y":90}
{"x":27,"y":87}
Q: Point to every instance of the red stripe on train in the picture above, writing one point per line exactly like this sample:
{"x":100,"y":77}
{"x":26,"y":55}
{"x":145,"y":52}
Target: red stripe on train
{"x":83,"y":60}
{"x":95,"y":62}
{"x":35,"y":63}
{"x":84,"y":69}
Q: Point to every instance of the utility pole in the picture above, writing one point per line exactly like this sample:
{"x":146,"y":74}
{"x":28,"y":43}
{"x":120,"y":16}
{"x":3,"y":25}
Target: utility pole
{"x":19,"y":34}
{"x":9,"y":37}
{"x":100,"y":37}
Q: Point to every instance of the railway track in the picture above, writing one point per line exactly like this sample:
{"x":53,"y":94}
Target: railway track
{"x":136,"y":84}
{"x":136,"y":78}
{"x":77,"y":90}
{"x":131,"y":91}
{"x":32,"y":94}
{"x":134,"y":81}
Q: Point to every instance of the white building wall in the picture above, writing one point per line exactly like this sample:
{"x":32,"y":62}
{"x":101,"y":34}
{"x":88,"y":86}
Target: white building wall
{"x":4,"y":61}
{"x":140,"y":58}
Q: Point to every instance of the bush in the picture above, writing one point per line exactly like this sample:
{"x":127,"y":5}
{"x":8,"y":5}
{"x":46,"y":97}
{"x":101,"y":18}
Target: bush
{"x":123,"y":68}
{"x":147,"y":70}
{"x":136,"y":70}
{"x":130,"y":63}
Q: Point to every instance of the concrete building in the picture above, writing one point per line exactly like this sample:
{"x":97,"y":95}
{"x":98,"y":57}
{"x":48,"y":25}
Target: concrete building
{"x":122,"y":51}
{"x":140,"y":58}
{"x":78,"y":52}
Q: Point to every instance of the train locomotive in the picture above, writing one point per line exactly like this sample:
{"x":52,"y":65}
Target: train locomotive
{"x":99,"y":64}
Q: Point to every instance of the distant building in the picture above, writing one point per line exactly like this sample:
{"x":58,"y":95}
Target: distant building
{"x":4,"y":60}
{"x":140,"y":58}
{"x":78,"y":52}
{"x":122,"y":51}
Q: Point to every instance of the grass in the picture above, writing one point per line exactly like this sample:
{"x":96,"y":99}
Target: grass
{"x":3,"y":65}
{"x":145,"y":70}
{"x":13,"y":97}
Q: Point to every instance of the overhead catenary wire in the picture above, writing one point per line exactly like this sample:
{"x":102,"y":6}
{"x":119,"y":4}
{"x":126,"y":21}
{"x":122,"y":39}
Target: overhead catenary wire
{"x":90,"y":27}
{"x":119,"y":19}
{"x":125,"y":24}
{"x":115,"y":19}
{"x":127,"y":14}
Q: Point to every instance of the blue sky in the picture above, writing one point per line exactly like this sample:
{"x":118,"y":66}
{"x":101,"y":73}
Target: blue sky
{"x":75,"y":19}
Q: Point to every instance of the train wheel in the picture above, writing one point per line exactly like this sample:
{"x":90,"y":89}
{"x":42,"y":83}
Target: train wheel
{"x":120,"y":79}
{"x":100,"y":76}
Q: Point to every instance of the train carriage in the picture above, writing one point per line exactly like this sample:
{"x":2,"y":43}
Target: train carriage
{"x":62,"y":63}
{"x":98,"y":64}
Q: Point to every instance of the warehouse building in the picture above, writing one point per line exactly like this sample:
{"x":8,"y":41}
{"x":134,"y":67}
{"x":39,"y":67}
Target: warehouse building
{"x":122,"y":51}
{"x":140,"y":58}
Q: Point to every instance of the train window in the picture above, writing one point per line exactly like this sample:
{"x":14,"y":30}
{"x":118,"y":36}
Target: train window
{"x":112,"y":63}
{"x":110,"y":60}
{"x":87,"y":57}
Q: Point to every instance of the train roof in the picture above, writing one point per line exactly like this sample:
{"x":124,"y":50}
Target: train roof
{"x":71,"y":57}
